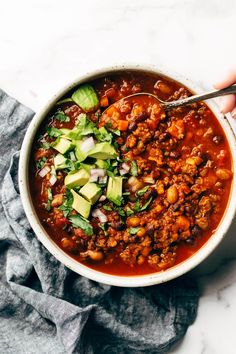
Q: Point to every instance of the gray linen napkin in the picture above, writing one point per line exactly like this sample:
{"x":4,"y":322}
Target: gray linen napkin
{"x":46,"y":308}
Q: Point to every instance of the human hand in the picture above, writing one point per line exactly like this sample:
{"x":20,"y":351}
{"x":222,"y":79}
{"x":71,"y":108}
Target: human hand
{"x":227,"y":103}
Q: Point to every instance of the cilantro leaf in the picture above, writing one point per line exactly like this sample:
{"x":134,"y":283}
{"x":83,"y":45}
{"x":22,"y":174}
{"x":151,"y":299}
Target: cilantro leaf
{"x":61,"y":116}
{"x":54,"y":132}
{"x":46,"y":145}
{"x":66,"y":207}
{"x":137,"y":205}
{"x":103,"y":135}
{"x":144,"y":207}
{"x":142,"y":191}
{"x":120,"y":211}
{"x":107,"y":207}
{"x":80,"y":222}
{"x":40,"y":163}
{"x":129,"y":211}
{"x":103,"y":227}
{"x":133,"y":230}
{"x":115,"y":131}
{"x":134,"y":168}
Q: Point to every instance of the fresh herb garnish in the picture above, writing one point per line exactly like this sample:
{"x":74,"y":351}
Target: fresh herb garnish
{"x":40,"y":163}
{"x":103,"y":135}
{"x":97,"y":114}
{"x":46,"y":145}
{"x":61,"y":116}
{"x":49,"y":202}
{"x":137,"y":206}
{"x":84,"y":127}
{"x":126,"y":193}
{"x":108,"y":125}
{"x":133,"y":230}
{"x":142,"y":191}
{"x":79,"y":221}
{"x":54,"y":132}
{"x":129,"y":211}
{"x":115,"y":131}
{"x":107,"y":207}
{"x":144,"y":207}
{"x":120,"y":211}
{"x":103,"y":227}
{"x":134,"y":168}
{"x":66,"y":207}
{"x":116,"y":146}
{"x":110,"y":174}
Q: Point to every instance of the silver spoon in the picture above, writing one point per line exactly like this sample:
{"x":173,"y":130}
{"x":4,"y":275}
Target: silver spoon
{"x":182,"y":102}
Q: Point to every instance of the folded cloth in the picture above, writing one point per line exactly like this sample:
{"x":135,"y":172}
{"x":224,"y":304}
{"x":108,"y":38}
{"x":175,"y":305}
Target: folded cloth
{"x":47,"y":308}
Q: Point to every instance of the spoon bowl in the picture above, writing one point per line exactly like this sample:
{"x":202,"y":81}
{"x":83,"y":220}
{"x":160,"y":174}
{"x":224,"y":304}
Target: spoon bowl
{"x":184,"y":101}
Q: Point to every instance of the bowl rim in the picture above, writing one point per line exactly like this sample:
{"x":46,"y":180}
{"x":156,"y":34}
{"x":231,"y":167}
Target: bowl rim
{"x":79,"y":268}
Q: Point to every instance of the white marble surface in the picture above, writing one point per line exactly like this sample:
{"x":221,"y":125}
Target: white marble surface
{"x":44,"y":44}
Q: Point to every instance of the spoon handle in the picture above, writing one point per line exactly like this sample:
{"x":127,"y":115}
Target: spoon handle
{"x":204,"y":96}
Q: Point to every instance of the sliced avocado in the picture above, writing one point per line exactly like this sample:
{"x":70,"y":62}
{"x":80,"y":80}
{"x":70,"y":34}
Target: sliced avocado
{"x":60,"y":162}
{"x":62,"y":145}
{"x":80,"y":155}
{"x":77,"y":179}
{"x":114,"y":190}
{"x":103,"y":151}
{"x":91,"y":192}
{"x":81,"y":205}
{"x":85,"y":97}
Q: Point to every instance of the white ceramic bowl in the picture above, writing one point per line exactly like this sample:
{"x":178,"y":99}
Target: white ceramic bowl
{"x":127,"y":281}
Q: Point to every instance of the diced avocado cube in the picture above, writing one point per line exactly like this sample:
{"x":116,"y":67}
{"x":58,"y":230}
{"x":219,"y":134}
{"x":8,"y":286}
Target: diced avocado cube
{"x":62,"y":145}
{"x":114,"y":190}
{"x":65,"y":131}
{"x":85,"y":97}
{"x":103,"y":151}
{"x":77,"y":179}
{"x":100,"y":163}
{"x":60,"y":162}
{"x":80,"y":155}
{"x":103,"y":164}
{"x":91,"y":192}
{"x":87,"y":166}
{"x":81,"y":205}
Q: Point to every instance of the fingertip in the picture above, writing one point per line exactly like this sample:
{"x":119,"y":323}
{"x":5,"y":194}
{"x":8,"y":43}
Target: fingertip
{"x":229,"y":78}
{"x":227,"y":103}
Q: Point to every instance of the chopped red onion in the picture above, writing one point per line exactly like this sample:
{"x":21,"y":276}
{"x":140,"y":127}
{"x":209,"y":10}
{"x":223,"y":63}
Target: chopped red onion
{"x":149,"y":180}
{"x":93,"y":178}
{"x":102,"y":198}
{"x":72,"y":156}
{"x":123,"y":172}
{"x":125,"y":166}
{"x":53,"y":180}
{"x":102,"y":180}
{"x":44,"y":171}
{"x":87,"y":144}
{"x":98,"y":171}
{"x":97,"y":213}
